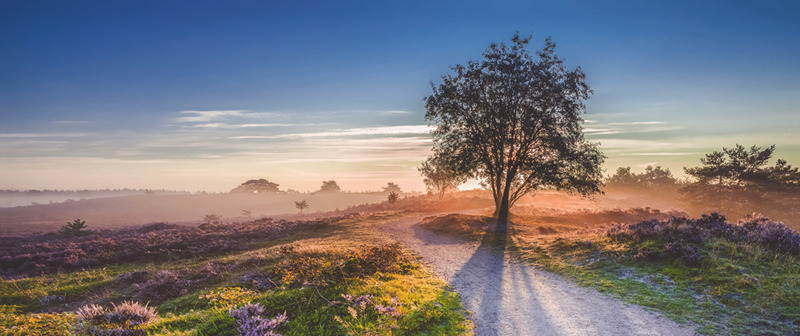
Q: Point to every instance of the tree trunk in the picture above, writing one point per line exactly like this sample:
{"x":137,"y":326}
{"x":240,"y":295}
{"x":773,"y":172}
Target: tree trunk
{"x":502,"y":210}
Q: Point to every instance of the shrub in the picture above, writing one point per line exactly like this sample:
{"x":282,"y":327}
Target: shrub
{"x":74,"y":228}
{"x":125,"y":319}
{"x":258,"y":280}
{"x":392,"y":197}
{"x":682,"y":238}
{"x":166,"y":285}
{"x":250,"y":321}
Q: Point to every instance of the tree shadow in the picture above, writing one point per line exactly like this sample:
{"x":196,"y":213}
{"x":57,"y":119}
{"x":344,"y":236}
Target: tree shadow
{"x":532,"y":307}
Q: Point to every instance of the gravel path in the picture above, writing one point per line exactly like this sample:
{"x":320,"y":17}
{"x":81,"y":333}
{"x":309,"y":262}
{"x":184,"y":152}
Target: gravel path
{"x":511,"y":298}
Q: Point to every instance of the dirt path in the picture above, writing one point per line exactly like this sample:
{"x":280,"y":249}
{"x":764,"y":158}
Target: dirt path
{"x":511,"y":298}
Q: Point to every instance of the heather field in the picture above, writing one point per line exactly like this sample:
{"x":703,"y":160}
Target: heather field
{"x":327,"y":276}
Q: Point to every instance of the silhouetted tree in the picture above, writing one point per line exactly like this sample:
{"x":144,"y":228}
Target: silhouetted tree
{"x":300,"y":205}
{"x":513,"y":120}
{"x":212,"y":219}
{"x":256,"y":186}
{"x":623,"y":177}
{"x":392,"y":197}
{"x":74,"y":228}
{"x":437,"y":176}
{"x":653,"y":176}
{"x":329,"y":186}
{"x":391,"y":187}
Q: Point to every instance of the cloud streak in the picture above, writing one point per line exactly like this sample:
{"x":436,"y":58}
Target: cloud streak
{"x":351,"y":132}
{"x":214,"y":115}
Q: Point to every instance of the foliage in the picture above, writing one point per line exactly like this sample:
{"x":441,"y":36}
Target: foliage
{"x":74,"y":228}
{"x":392,"y":197}
{"x":364,"y":309}
{"x":35,"y":324}
{"x":332,"y":268}
{"x":258,"y":280}
{"x":227,"y":296}
{"x":651,"y":178}
{"x":300,"y":205}
{"x":437,"y":176}
{"x":513,"y":120}
{"x":251,"y":322}
{"x":329,"y":186}
{"x":257,"y":186}
{"x":166,"y":285}
{"x":127,"y":318}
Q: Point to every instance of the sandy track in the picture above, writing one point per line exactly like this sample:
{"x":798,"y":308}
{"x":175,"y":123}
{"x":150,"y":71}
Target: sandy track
{"x":511,"y":298}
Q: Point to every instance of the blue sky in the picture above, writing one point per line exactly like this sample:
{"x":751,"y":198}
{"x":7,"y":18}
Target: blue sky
{"x":204,"y":95}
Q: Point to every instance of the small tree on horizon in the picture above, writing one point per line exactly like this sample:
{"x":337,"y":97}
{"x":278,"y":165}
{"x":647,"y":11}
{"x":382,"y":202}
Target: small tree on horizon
{"x":392,"y":187}
{"x":438,"y":178}
{"x":514,"y":121}
{"x":212,"y":219}
{"x":74,"y":228}
{"x":392,"y":197}
{"x":257,"y":186}
{"x":329,"y":186}
{"x":300,"y":205}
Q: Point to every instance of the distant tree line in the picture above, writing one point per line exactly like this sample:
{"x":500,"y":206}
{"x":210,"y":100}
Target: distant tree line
{"x":258,"y":186}
{"x":736,"y":181}
{"x":653,"y":176}
{"x":740,"y":180}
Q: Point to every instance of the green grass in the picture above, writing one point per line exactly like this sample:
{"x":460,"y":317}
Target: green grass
{"x":736,"y":289}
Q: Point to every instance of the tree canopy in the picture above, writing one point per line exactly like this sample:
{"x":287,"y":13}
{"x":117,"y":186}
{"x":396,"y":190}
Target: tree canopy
{"x":329,"y":186}
{"x":256,"y":186}
{"x":513,"y":120}
{"x":391,"y":187}
{"x":653,"y":176}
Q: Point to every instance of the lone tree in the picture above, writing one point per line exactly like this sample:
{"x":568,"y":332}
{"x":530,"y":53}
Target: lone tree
{"x":329,"y":186}
{"x":514,"y":120}
{"x":300,"y":205}
{"x":256,"y":186}
{"x":391,"y":187}
{"x":437,"y":176}
{"x":74,"y":228}
{"x":392,"y":197}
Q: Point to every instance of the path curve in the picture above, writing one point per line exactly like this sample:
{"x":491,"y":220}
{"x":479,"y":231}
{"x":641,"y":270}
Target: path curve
{"x":507,"y":297}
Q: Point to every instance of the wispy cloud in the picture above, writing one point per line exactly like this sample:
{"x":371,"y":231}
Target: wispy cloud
{"x":234,"y":126}
{"x":394,"y":112}
{"x":637,"y":123}
{"x":41,"y":135}
{"x":72,"y":122}
{"x":383,"y":130}
{"x":664,"y":154}
{"x":209,"y":116}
